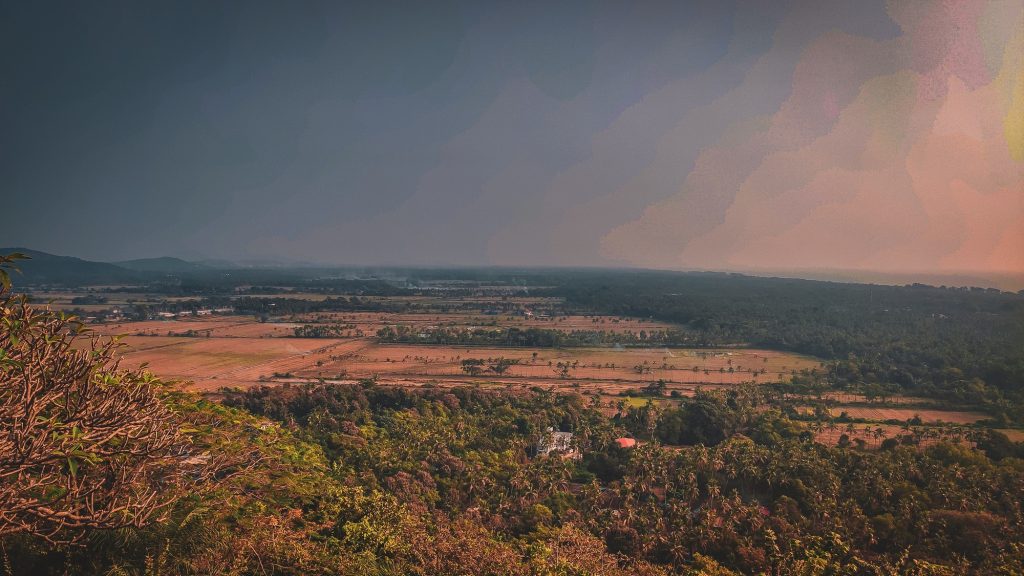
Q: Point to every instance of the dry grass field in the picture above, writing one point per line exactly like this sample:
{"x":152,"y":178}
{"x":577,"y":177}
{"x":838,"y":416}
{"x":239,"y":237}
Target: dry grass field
{"x":174,"y":327}
{"x":844,"y":397}
{"x":62,"y":299}
{"x":613,"y":365}
{"x":371,"y":322}
{"x":902,"y":414}
{"x":210,"y":363}
{"x":256,"y":330}
{"x":570,"y":323}
{"x":1015,"y":435}
{"x":212,"y":326}
{"x":874,"y":434}
{"x":214,"y":351}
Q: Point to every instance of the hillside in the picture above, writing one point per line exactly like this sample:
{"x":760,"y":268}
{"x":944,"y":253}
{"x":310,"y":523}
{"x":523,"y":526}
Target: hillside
{"x":165,"y":264}
{"x":45,"y":268}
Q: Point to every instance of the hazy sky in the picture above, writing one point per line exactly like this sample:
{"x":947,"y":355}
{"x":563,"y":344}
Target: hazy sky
{"x":756,"y":135}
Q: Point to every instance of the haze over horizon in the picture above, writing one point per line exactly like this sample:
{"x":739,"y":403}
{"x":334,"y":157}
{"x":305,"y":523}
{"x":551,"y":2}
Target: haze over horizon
{"x":810,"y":137}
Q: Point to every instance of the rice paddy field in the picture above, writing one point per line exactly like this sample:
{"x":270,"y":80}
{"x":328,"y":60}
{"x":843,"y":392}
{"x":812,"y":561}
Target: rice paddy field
{"x":872,"y":435}
{"x":208,"y":353}
{"x":631,"y":365}
{"x":211,"y":363}
{"x":371,"y":322}
{"x":902,"y":414}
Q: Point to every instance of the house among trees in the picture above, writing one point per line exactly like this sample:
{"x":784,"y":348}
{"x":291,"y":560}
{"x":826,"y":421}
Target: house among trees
{"x":558,"y":442}
{"x":626,"y":442}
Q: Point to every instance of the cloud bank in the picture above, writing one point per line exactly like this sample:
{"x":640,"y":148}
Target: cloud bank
{"x":797,"y":135}
{"x":901,"y":155}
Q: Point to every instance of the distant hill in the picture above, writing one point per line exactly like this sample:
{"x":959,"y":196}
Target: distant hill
{"x":165,"y":264}
{"x":49,"y":269}
{"x":44,"y":268}
{"x":262,"y":264}
{"x":218,"y":264}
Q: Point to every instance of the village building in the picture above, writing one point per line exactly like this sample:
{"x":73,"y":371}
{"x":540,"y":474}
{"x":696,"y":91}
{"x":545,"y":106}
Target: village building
{"x":560,"y":443}
{"x":626,"y":442}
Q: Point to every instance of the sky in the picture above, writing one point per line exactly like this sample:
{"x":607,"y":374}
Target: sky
{"x":754,"y":136}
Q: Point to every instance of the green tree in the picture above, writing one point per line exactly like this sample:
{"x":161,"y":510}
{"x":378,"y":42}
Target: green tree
{"x":85,"y":444}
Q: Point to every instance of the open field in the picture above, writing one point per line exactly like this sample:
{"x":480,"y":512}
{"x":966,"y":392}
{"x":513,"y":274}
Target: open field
{"x":209,"y":363}
{"x":887,"y":413}
{"x":370,"y":322}
{"x":902,"y":414}
{"x":212,"y":326}
{"x":62,"y":299}
{"x":613,"y":365}
{"x":169,"y":327}
{"x":437,"y":301}
{"x":844,"y":397}
{"x":213,"y":362}
{"x":215,"y":351}
{"x":570,"y":323}
{"x":874,"y":434}
{"x":256,"y":330}
{"x":1014,"y":434}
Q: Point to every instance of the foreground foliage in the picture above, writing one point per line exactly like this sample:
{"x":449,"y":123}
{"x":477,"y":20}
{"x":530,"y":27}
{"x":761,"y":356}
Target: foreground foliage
{"x":83,"y":444}
{"x":373,"y":480}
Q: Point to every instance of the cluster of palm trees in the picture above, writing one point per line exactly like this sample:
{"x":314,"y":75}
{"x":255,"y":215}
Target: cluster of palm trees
{"x":873,"y":435}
